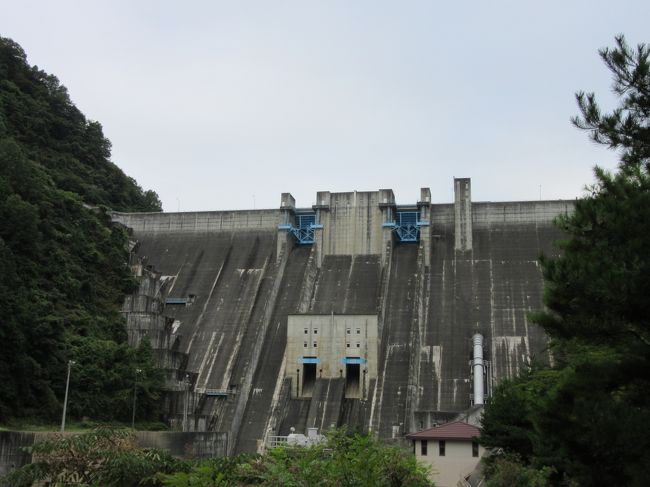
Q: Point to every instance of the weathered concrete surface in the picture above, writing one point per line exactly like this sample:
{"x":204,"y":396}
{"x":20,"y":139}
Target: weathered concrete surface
{"x":352,"y":224}
{"x":267,"y":387}
{"x":325,"y":405}
{"x":230,"y":278}
{"x":388,"y":410}
{"x":11,"y":454}
{"x":243,"y":277}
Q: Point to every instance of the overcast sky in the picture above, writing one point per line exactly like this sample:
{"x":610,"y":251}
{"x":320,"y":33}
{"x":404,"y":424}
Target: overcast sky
{"x":225,"y":105}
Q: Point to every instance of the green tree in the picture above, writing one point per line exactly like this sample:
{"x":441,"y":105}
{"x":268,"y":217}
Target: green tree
{"x":63,"y":265}
{"x":103,"y":457}
{"x":109,"y":457}
{"x":626,"y":128}
{"x":590,"y":421}
{"x":344,"y":460}
{"x":36,"y":111}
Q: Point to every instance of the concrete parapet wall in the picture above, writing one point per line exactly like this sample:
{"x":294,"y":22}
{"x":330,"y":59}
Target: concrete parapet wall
{"x":485,"y":214}
{"x":518,"y":212}
{"x":204,"y":221}
{"x":442,"y":215}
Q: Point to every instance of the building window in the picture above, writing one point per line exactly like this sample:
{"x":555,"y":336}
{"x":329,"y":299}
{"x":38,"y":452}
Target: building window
{"x":306,"y":331}
{"x":315,"y":331}
{"x":474,"y":448}
{"x":304,"y":344}
{"x":441,"y":448}
{"x":347,"y":345}
{"x":315,"y":345}
{"x":423,"y":448}
{"x":358,"y":345}
{"x":358,"y":331}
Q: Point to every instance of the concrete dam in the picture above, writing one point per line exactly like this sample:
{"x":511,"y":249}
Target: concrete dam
{"x":356,"y":311}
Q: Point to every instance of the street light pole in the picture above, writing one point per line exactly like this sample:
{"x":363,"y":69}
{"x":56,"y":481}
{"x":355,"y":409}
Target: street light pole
{"x":65,"y":401}
{"x":135,"y":395}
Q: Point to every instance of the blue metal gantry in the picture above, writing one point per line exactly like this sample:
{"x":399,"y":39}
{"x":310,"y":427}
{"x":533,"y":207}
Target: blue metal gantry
{"x":406,"y":225}
{"x":407,"y":228}
{"x":304,"y":229}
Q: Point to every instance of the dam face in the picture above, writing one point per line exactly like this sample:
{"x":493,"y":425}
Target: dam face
{"x":356,"y":311}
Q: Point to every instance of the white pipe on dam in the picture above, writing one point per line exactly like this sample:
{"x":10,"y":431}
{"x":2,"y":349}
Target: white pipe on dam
{"x":477,"y":364}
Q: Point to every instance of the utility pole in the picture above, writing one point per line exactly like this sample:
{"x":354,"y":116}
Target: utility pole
{"x":65,"y":401}
{"x":135,"y":395}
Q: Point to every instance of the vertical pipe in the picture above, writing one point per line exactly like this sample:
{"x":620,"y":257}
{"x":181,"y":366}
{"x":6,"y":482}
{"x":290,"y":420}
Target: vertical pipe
{"x":477,"y":365}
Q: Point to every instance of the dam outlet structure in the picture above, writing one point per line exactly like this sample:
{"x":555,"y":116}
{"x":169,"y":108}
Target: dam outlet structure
{"x":356,"y":311}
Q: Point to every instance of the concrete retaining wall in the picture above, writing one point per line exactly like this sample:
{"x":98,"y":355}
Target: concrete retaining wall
{"x":11,"y":454}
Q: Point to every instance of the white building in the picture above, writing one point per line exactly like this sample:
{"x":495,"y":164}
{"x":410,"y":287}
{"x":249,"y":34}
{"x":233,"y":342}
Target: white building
{"x":451,"y":450}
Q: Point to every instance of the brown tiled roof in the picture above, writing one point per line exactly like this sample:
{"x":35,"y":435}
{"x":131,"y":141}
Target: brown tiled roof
{"x":448,"y":431}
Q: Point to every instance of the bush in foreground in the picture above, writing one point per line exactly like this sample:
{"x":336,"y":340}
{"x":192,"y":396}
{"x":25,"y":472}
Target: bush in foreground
{"x":110,"y":458}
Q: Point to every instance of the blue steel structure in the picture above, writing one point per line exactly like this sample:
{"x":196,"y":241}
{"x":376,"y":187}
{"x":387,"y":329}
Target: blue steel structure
{"x":309,"y":360}
{"x":406,"y":225}
{"x":407,"y":228}
{"x":354,"y":360}
{"x":304,"y":228}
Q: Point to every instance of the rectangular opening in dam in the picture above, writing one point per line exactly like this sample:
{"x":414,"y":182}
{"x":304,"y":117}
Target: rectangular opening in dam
{"x":352,"y":379}
{"x":308,"y":379}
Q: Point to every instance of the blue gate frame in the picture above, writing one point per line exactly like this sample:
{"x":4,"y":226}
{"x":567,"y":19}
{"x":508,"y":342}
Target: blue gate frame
{"x":406,"y":225}
{"x":304,"y":229}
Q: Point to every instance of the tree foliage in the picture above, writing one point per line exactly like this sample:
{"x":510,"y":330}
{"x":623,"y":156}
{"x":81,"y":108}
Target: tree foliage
{"x":345,"y":460}
{"x":588,"y":418}
{"x":63,"y":265}
{"x":36,"y":111}
{"x":110,"y":458}
{"x":510,"y":471}
{"x":104,"y":457}
{"x":627,"y":127}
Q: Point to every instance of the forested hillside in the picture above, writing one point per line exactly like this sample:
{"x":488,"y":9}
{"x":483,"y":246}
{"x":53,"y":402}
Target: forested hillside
{"x":63,"y":266}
